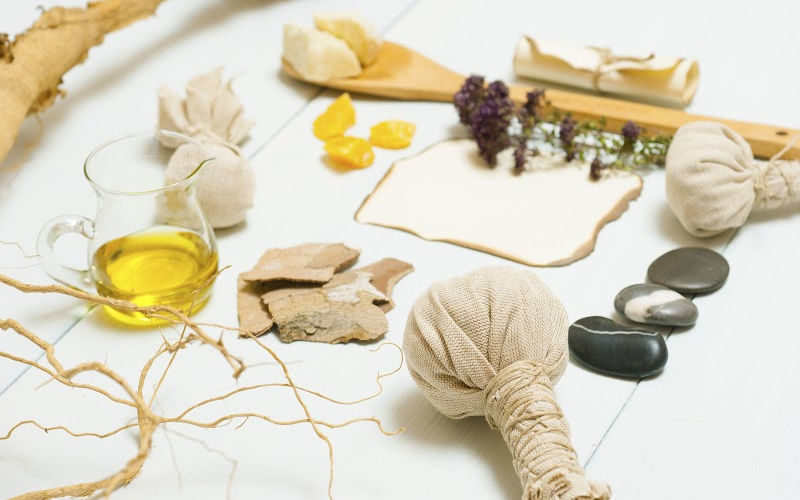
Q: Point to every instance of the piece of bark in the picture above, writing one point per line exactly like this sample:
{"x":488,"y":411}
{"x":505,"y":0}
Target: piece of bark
{"x":290,"y":289}
{"x":253,"y":314}
{"x":546,"y":217}
{"x":308,"y":263}
{"x":385,"y":274}
{"x":340,"y":311}
{"x":343,"y":287}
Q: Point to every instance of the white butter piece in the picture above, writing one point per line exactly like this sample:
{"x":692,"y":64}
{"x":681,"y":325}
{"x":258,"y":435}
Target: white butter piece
{"x":359,"y":34}
{"x":318,"y":56}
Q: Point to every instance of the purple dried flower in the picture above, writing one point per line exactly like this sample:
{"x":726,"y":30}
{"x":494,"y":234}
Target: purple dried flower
{"x":490,"y":130}
{"x":495,"y":124}
{"x":631,"y":131}
{"x":596,"y":169}
{"x":468,"y":98}
{"x":567,"y":130}
{"x":533,"y":103}
{"x":498,"y":89}
{"x":490,"y":122}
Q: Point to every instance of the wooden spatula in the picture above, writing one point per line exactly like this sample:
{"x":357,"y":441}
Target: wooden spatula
{"x":402,"y":73}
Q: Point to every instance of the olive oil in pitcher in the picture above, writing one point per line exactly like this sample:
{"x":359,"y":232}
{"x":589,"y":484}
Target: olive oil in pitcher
{"x":172,"y":268}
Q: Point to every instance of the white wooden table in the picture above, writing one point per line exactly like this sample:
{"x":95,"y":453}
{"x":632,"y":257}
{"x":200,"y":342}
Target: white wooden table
{"x":721,"y":421}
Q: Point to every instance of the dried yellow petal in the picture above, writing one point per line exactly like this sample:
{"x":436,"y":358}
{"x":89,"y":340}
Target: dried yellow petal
{"x":336,"y":119}
{"x":350,"y":151}
{"x":392,"y":134}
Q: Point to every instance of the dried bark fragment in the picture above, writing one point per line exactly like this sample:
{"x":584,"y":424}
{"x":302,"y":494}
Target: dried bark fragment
{"x":344,"y":287}
{"x":299,"y":289}
{"x":385,"y":274}
{"x":377,"y":284}
{"x":253,"y":314}
{"x":308,"y":263}
{"x":340,"y":311}
{"x":290,"y":289}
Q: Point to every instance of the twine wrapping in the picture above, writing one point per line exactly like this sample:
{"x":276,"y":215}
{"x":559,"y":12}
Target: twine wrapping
{"x":714,"y":183}
{"x":607,"y":61}
{"x":493,"y":342}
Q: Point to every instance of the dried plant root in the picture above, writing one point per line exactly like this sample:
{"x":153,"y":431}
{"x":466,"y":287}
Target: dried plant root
{"x":148,"y":420}
{"x":31,"y":67}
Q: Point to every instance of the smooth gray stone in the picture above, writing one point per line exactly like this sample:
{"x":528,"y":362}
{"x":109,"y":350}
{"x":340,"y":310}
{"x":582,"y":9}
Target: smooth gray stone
{"x":690,"y":270}
{"x":608,"y":347}
{"x":655,"y":305}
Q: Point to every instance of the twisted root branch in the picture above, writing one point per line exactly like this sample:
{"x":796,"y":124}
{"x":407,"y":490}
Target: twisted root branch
{"x":147,"y":420}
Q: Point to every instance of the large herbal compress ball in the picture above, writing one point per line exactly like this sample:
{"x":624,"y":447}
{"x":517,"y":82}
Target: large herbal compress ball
{"x":494,"y":342}
{"x":462,"y":331}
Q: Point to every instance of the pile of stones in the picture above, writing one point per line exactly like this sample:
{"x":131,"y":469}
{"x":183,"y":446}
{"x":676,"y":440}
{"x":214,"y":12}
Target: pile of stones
{"x":635,"y":351}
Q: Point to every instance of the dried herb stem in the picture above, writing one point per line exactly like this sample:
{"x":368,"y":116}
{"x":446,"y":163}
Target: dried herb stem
{"x":497,"y":124}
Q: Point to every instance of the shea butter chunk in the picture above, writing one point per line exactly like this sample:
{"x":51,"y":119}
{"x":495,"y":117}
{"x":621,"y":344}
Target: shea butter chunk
{"x":359,"y":34}
{"x":318,"y":56}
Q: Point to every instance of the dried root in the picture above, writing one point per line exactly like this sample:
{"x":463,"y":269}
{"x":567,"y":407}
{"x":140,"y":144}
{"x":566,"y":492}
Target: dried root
{"x":31,"y":67}
{"x":147,"y":419}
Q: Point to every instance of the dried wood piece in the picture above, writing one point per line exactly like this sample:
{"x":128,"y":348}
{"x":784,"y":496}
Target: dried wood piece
{"x":253,"y":314}
{"x":344,"y":287}
{"x":385,"y":274}
{"x":308,"y":263}
{"x":33,"y":65}
{"x":299,"y":289}
{"x":340,"y":311}
{"x":290,"y":289}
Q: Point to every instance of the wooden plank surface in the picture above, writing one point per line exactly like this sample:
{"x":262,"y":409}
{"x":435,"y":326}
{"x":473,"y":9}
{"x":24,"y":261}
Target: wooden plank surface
{"x":728,"y":406}
{"x":113,"y":93}
{"x":300,"y":198}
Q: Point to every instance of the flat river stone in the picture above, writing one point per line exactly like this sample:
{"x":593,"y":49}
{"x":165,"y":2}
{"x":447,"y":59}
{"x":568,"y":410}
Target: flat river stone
{"x":690,"y":270}
{"x":608,"y":347}
{"x":655,"y":305}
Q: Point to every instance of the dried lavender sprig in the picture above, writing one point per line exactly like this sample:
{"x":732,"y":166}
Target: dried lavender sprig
{"x":497,"y":124}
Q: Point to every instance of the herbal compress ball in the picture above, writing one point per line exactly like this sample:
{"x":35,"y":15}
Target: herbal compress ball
{"x":493,"y":342}
{"x":713,"y":181}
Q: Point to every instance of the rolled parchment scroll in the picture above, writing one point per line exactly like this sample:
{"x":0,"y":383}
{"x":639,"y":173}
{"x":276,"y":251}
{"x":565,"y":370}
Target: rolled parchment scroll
{"x":664,"y":80}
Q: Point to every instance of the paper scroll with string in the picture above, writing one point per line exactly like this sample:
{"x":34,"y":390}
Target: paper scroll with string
{"x":664,"y":80}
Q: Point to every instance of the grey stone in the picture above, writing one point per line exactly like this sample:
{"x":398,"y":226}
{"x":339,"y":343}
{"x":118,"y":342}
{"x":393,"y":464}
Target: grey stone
{"x":655,"y":305}
{"x":608,"y":347}
{"x":690,"y":270}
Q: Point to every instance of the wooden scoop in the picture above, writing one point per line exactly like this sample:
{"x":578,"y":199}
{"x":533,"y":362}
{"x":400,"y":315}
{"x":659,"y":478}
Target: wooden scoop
{"x":402,"y":73}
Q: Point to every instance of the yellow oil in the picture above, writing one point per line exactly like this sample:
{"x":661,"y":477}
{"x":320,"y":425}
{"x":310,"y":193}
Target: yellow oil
{"x":164,"y":268}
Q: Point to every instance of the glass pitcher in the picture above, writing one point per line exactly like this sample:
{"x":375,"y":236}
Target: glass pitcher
{"x":149,"y":242}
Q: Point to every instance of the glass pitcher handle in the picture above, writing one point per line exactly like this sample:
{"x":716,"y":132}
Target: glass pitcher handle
{"x":53,"y":230}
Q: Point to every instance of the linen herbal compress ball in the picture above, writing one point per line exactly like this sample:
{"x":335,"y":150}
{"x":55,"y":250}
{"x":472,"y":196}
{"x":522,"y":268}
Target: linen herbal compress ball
{"x":494,"y":342}
{"x":713,"y":181}
{"x":212,"y":114}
